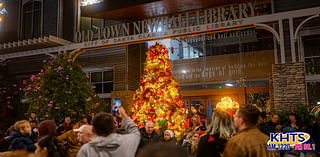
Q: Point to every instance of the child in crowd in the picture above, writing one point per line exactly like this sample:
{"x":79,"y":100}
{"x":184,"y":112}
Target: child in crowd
{"x":33,"y":117}
{"x":34,"y":131}
{"x":20,"y":137}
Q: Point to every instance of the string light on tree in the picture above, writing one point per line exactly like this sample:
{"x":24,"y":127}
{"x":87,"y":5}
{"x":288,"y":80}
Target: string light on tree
{"x":158,"y":98}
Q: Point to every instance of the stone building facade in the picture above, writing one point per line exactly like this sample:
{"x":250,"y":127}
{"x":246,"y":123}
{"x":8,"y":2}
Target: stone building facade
{"x":289,"y":87}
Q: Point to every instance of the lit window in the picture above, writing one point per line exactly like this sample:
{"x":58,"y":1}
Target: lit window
{"x":311,"y":54}
{"x":31,"y":19}
{"x":87,"y":23}
{"x":103,"y":81}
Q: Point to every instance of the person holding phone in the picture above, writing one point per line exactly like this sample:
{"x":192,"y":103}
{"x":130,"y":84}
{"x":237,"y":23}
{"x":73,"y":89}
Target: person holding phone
{"x":107,"y":143}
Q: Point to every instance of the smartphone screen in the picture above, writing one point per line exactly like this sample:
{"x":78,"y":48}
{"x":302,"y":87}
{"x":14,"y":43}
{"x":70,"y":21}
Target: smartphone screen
{"x":116,"y":104}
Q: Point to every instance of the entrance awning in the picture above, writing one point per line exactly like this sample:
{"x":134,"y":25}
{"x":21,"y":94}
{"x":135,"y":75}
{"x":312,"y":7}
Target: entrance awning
{"x":32,"y":44}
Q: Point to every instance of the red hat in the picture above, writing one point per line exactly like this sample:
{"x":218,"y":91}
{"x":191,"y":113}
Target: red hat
{"x":47,"y":127}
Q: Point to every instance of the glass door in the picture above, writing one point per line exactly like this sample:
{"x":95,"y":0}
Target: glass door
{"x":198,"y":107}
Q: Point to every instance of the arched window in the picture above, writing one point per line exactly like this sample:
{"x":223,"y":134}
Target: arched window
{"x":31,"y":19}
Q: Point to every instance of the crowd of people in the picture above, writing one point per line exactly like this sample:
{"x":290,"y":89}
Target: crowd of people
{"x":109,"y":135}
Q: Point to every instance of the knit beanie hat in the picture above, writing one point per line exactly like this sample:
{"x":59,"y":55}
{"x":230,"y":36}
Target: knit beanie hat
{"x":170,"y":132}
{"x":47,"y":127}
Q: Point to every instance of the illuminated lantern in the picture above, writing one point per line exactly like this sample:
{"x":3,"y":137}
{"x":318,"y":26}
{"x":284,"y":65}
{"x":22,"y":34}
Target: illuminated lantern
{"x":228,"y":105}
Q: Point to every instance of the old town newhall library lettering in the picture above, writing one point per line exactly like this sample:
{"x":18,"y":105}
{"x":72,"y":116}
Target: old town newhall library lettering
{"x":165,"y":26}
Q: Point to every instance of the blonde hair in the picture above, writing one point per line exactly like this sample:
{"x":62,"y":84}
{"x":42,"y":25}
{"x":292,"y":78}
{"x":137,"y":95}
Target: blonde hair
{"x":194,"y":147}
{"x":222,"y":124}
{"x":21,"y":124}
{"x":190,"y":134}
{"x":198,"y":121}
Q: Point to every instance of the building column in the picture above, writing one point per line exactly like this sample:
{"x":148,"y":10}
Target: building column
{"x":282,"y":47}
{"x":77,"y":15}
{"x":288,"y":85}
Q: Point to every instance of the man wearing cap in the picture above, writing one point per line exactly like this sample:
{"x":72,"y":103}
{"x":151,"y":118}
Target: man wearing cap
{"x":73,"y":143}
{"x":85,"y":133}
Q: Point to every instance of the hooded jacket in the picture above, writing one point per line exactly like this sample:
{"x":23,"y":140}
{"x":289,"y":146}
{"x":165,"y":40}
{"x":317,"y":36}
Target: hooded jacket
{"x":21,"y":141}
{"x":114,"y":145}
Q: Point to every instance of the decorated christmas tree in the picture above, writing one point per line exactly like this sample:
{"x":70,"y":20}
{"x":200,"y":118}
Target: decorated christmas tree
{"x":61,"y":90}
{"x":158,"y":98}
